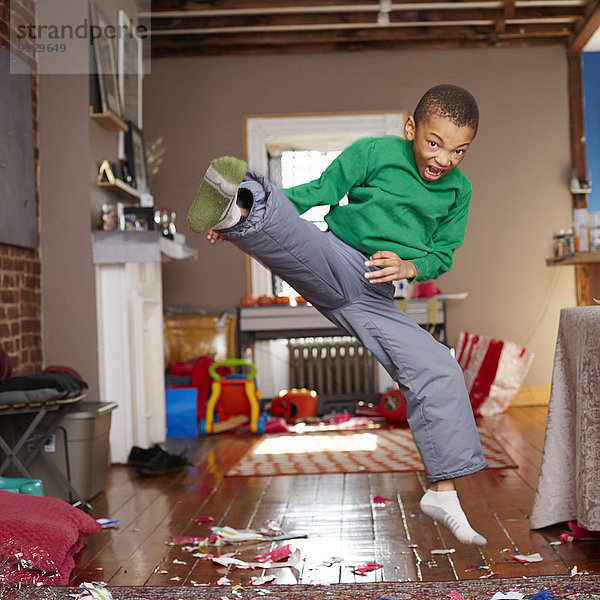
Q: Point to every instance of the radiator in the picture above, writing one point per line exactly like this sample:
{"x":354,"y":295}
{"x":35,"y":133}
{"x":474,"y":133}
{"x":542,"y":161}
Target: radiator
{"x":340,"y":369}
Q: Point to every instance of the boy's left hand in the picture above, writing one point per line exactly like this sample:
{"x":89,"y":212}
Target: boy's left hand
{"x":394,"y":267}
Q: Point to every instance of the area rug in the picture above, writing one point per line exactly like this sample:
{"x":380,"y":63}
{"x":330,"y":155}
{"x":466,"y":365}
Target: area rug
{"x":364,"y":451}
{"x":539,"y":588}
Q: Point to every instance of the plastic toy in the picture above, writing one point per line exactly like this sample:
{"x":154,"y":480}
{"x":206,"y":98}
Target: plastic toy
{"x":295,"y":404}
{"x":21,"y":485}
{"x":234,"y":396}
{"x":392,"y":406}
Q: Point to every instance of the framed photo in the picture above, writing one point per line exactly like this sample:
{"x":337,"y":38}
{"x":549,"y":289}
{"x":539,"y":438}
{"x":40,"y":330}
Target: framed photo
{"x":130,"y":70}
{"x":135,"y":151}
{"x":130,"y":75}
{"x":136,"y":218}
{"x":106,"y":65}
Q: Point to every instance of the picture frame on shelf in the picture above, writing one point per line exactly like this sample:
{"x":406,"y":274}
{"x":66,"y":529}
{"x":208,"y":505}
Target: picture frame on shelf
{"x":135,"y":218}
{"x":130,"y":69}
{"x":135,"y":151}
{"x":105,"y":62}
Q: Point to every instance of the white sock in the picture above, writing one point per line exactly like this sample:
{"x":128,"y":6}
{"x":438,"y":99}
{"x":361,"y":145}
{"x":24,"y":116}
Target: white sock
{"x":445,"y":508}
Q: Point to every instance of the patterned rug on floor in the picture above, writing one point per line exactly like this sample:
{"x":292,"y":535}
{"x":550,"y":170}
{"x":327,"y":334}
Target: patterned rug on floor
{"x":555,"y":587}
{"x":363,"y":451}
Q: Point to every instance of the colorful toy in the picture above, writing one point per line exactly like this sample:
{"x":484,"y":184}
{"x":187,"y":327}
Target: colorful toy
{"x":392,"y":406}
{"x":295,"y":404}
{"x":234,"y":396}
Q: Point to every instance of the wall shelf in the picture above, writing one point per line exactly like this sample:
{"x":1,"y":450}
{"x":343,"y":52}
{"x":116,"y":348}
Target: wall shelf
{"x":582,"y":258}
{"x":121,"y":188}
{"x":109,"y":120}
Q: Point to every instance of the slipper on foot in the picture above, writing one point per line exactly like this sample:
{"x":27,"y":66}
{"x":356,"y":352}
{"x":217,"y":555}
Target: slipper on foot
{"x":215,"y":206}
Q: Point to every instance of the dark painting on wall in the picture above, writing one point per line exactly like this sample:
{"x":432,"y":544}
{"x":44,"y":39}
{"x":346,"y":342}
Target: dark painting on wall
{"x":18,"y":224}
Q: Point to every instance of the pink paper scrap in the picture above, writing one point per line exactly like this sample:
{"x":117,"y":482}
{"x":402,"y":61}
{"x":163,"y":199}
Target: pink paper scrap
{"x":380,"y":500}
{"x":206,"y":519}
{"x":456,"y":596}
{"x":363,"y":569}
{"x":275,"y":555}
{"x":184,"y":540}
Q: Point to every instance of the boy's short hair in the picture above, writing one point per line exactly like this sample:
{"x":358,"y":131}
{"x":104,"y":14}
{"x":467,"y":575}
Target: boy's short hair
{"x":449,"y":101}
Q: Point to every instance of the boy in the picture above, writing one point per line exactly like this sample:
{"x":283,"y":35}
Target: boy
{"x":406,"y":214}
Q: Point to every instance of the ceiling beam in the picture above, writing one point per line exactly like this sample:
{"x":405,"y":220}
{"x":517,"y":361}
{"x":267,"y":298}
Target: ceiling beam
{"x":585,"y":29}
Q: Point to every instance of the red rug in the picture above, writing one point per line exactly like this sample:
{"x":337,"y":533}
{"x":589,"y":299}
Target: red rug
{"x":362,"y":451}
{"x":554,"y":587}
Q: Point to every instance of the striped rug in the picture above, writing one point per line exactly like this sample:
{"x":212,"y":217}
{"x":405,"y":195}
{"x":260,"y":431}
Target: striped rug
{"x":357,"y":451}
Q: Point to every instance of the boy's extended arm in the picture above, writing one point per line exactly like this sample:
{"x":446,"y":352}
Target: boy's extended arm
{"x":446,"y":239}
{"x":346,"y":171}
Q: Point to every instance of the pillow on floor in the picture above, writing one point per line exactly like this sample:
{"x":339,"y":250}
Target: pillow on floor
{"x":40,"y":532}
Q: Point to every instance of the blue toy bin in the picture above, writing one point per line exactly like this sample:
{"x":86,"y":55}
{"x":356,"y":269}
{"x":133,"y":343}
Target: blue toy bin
{"x":181,"y":412}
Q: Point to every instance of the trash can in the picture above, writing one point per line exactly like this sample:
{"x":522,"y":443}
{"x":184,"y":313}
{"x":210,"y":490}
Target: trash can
{"x":79,"y":449}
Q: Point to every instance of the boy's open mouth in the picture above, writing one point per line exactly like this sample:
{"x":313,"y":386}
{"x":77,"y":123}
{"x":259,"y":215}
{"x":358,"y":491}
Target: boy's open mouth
{"x":432,"y":173}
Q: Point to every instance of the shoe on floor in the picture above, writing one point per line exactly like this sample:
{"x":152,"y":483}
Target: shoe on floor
{"x":162,"y":463}
{"x":140,"y":456}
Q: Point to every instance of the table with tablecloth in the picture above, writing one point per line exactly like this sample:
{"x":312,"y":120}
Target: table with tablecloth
{"x":568,"y":486}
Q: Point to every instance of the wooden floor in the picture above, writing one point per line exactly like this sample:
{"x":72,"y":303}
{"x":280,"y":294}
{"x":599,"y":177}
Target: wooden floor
{"x":337,"y":514}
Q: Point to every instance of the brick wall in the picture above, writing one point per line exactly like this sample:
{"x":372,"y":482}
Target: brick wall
{"x":20,"y":268}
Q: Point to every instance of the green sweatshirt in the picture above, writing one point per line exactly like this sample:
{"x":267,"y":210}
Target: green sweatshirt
{"x":390,"y":207}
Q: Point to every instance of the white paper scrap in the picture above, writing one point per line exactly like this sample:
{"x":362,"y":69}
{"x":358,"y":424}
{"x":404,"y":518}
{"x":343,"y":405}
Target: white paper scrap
{"x":508,"y":596}
{"x":528,"y":558}
{"x":262,"y":580}
{"x":444,"y":551}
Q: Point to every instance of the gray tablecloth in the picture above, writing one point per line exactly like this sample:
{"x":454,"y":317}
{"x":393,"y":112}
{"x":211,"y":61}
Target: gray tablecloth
{"x":568,"y":486}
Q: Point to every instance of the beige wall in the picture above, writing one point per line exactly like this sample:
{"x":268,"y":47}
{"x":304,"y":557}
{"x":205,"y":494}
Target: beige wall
{"x":518,"y":165}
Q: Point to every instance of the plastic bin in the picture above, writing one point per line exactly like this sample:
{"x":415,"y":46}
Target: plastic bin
{"x":80,"y":450}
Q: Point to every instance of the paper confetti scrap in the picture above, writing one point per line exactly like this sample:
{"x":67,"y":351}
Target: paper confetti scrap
{"x":444,"y":551}
{"x":234,"y":536}
{"x":381,"y":500}
{"x":93,"y":591}
{"x":456,"y":596}
{"x":107,"y":523}
{"x":363,"y":569}
{"x":205,"y":519}
{"x":528,"y":558}
{"x":262,"y":580}
{"x":508,"y":596}
{"x":274,"y":555}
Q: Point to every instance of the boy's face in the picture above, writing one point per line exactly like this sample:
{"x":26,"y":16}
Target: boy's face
{"x":438,"y":145}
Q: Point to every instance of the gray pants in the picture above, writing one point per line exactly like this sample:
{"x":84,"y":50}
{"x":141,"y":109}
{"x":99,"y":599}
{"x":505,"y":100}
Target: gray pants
{"x":330,"y":274}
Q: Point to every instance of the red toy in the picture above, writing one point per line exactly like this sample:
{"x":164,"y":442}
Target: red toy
{"x":392,"y":406}
{"x":295,"y":404}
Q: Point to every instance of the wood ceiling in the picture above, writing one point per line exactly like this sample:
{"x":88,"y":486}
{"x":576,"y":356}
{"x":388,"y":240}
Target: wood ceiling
{"x":220,"y":27}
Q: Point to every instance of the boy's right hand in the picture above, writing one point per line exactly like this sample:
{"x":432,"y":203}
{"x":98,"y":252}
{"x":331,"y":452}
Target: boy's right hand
{"x":213,"y":237}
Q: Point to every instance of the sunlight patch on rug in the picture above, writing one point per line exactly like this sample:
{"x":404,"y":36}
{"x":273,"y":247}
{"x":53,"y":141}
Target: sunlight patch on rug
{"x":301,"y":444}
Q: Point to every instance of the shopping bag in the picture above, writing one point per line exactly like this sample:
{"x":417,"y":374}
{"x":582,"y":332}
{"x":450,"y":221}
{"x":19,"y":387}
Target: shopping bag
{"x":494,"y":371}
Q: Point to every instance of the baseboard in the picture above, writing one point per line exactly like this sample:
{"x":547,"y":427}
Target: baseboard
{"x":532,"y":395}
